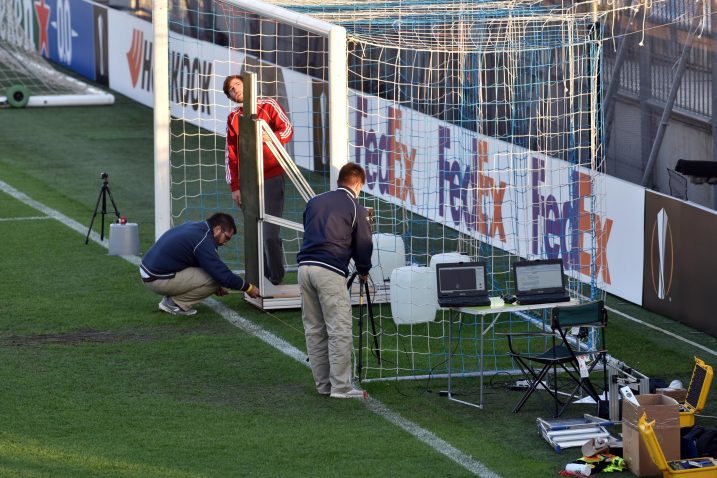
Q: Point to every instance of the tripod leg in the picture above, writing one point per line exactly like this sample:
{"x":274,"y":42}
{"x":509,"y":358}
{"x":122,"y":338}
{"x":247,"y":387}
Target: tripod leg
{"x":104,"y":211}
{"x":376,"y":348}
{"x":360,"y":346}
{"x":112,"y":200}
{"x":92,"y":220}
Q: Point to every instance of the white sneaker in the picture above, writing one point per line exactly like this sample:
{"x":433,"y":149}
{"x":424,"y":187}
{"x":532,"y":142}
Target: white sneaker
{"x":353,"y":393}
{"x":168,"y":305}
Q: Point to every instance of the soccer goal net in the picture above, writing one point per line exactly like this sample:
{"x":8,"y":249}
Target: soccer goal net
{"x":478,"y":124}
{"x":26,"y":77}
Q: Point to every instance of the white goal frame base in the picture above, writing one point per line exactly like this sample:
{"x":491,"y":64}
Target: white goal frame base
{"x":287,"y":296}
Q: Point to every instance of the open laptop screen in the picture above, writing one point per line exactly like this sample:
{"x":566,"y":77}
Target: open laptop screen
{"x":462,"y":278}
{"x":536,"y":277}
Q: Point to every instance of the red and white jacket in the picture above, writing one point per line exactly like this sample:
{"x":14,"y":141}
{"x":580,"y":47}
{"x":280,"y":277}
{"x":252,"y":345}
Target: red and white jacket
{"x":269,"y":110}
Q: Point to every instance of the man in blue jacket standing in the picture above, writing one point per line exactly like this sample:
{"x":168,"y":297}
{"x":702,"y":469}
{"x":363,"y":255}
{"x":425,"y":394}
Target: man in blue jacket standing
{"x":336,"y":230}
{"x":184,"y":265}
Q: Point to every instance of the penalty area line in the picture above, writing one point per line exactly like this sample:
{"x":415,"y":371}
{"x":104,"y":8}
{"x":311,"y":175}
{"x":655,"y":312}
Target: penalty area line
{"x":375,"y":406}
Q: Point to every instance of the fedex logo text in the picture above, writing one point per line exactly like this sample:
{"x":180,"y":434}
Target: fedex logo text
{"x":473,"y":197}
{"x":565,"y":225}
{"x":386,"y":160}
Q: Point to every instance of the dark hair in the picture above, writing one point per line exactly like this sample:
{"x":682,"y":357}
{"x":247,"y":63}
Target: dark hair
{"x":228,"y":80}
{"x":223,"y":220}
{"x":350,"y":174}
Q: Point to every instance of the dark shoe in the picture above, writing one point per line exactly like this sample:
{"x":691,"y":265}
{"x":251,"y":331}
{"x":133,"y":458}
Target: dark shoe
{"x":168,"y":305}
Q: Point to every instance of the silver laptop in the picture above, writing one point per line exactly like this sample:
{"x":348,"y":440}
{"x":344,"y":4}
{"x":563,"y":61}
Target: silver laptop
{"x":462,"y":284}
{"x":539,"y":282}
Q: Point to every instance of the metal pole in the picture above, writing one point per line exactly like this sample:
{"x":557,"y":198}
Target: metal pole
{"x":664,"y":120}
{"x":608,"y":100}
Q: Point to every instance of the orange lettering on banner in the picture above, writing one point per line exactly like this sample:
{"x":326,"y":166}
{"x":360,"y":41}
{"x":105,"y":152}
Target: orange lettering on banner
{"x":394,"y":149}
{"x":584,"y":219}
{"x":408,"y":159}
{"x":487,"y":189}
{"x":399,"y":153}
{"x":602,"y":232}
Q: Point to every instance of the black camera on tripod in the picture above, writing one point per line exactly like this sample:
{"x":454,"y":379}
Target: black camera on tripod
{"x":102,"y":198}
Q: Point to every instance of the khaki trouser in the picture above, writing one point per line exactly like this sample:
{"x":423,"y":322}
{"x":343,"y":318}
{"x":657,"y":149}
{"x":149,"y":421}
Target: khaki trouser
{"x":326,"y":312}
{"x":188,"y":287}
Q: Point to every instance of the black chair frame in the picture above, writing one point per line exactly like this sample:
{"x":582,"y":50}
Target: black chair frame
{"x":562,"y":355}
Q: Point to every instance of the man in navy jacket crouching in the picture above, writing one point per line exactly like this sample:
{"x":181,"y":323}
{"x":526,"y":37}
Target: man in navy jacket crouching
{"x":184,"y":265}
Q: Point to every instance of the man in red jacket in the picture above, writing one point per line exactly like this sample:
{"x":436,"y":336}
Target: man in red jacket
{"x":269,"y":110}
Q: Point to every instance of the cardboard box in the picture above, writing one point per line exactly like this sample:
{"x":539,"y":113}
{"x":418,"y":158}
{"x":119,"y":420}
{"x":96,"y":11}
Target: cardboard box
{"x":679,"y":394}
{"x":665,"y":411}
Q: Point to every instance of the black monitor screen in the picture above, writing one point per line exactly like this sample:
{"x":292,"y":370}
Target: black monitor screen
{"x":459,"y":279}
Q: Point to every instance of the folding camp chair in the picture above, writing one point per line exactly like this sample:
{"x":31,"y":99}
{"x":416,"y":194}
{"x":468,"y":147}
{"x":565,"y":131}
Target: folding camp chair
{"x":704,"y":467}
{"x":567,"y":353}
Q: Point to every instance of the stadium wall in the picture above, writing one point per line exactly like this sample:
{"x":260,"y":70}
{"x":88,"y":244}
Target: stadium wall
{"x":115,"y":48}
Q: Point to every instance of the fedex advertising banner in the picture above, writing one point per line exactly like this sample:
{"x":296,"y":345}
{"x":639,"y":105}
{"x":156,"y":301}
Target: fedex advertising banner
{"x":507,"y":196}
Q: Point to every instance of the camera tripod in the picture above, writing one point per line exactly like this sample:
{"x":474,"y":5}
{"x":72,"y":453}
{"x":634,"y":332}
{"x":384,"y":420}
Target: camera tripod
{"x":102,"y":198}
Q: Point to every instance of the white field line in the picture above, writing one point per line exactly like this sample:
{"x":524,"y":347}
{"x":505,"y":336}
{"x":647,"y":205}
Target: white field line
{"x":666,"y":332}
{"x":418,"y":432}
{"x":28,"y":218}
{"x":48,"y":211}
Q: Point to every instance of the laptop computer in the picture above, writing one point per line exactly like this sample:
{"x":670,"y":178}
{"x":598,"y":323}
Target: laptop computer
{"x":539,"y":282}
{"x":462,"y":284}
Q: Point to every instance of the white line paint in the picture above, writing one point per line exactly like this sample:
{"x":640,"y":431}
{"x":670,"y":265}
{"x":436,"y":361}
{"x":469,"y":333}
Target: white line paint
{"x":29,"y":218}
{"x":71,"y":223}
{"x":431,"y":440}
{"x":666,"y":332}
{"x":420,"y":433}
